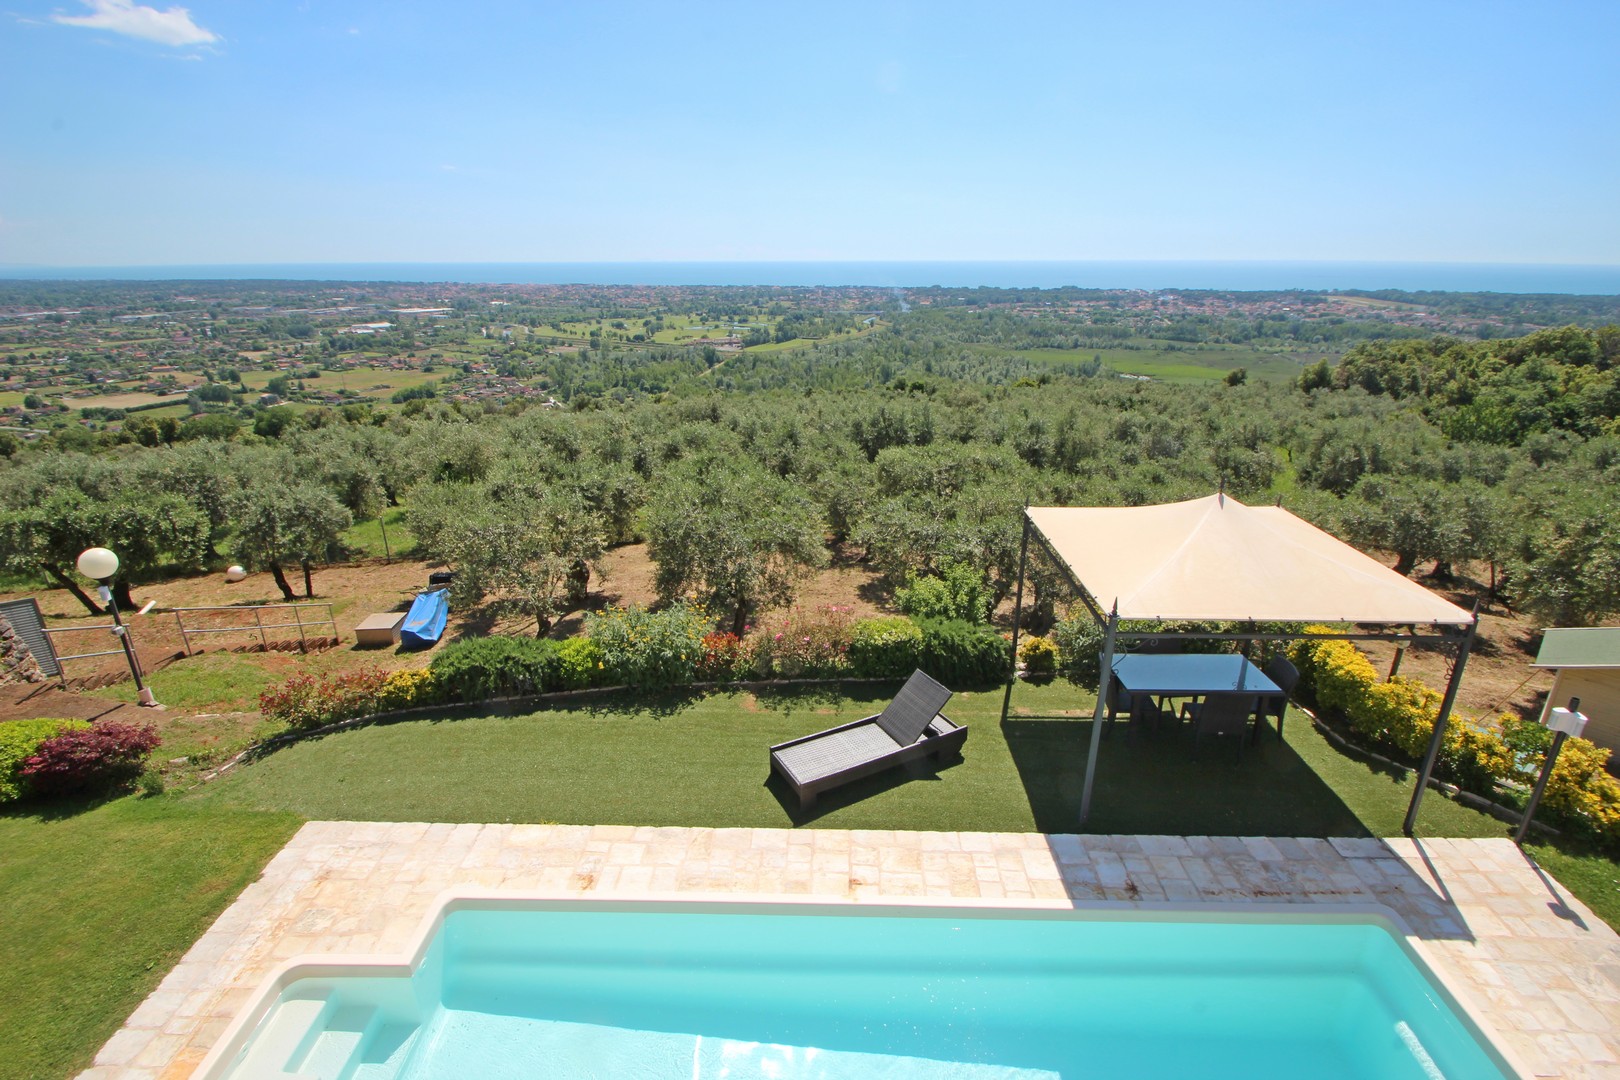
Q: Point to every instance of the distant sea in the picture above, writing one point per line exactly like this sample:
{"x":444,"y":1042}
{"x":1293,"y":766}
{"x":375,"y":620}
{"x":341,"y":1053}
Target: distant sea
{"x":1235,"y":276}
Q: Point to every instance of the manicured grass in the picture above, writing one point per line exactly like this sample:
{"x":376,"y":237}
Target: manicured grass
{"x":701,"y":760}
{"x":99,"y":905}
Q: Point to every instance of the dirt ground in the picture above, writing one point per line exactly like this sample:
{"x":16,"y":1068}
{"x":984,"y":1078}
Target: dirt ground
{"x":1498,"y":678}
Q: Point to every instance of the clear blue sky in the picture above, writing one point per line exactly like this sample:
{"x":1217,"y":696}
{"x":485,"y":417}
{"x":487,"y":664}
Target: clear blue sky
{"x":251,"y":131}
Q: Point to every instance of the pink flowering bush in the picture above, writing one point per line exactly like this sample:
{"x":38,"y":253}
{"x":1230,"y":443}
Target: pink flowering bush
{"x":806,"y":643}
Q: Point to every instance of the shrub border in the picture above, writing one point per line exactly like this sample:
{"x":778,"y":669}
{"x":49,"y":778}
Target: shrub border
{"x":1505,"y":814}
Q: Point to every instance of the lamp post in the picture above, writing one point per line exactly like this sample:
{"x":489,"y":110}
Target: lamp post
{"x":100,"y":565}
{"x":1563,"y":723}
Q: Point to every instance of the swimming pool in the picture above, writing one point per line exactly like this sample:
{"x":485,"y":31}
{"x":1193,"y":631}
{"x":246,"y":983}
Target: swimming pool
{"x":569,"y":989}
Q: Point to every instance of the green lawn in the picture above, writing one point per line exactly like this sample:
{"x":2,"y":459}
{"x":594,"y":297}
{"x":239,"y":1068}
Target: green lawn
{"x":691,"y":760}
{"x":99,"y":905}
{"x":701,"y":760}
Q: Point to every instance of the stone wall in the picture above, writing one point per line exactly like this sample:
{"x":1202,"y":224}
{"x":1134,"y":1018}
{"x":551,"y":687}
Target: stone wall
{"x":17,"y":664}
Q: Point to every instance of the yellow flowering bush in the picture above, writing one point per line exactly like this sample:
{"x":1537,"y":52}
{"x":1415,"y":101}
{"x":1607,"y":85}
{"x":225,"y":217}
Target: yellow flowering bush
{"x":1400,"y":715}
{"x":1400,"y":712}
{"x":650,"y":648}
{"x":408,"y":689}
{"x":1039,"y":655}
{"x":1581,"y":790}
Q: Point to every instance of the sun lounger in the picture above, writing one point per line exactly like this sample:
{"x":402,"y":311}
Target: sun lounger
{"x":911,"y":728}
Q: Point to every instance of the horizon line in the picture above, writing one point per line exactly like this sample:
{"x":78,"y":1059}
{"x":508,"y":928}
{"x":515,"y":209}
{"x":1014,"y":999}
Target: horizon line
{"x":816,"y":261}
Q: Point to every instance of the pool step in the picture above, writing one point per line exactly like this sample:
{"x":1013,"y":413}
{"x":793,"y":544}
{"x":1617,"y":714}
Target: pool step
{"x":385,"y":1054}
{"x":317,"y":1039}
{"x":282,"y":1036}
{"x":337,"y":1045}
{"x":358,"y":1043}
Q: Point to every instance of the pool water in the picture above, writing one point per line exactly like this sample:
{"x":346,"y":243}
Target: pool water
{"x":825,"y":993}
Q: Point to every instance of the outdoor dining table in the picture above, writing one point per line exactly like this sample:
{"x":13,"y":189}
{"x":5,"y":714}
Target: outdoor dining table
{"x":1190,"y":675}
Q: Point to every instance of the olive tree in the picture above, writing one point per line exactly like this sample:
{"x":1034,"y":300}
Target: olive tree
{"x":282,"y":521}
{"x":529,"y":554}
{"x":734,"y":534}
{"x":146,"y":531}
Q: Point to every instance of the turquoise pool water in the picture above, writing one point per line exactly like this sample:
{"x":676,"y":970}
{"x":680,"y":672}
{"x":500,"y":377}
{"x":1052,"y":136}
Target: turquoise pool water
{"x":822,"y":993}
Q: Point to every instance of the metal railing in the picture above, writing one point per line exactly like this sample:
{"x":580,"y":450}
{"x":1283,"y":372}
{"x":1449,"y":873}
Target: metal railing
{"x":52,"y":631}
{"x":303,"y":625}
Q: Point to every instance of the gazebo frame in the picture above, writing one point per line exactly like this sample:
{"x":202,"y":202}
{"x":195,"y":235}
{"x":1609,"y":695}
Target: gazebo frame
{"x":1463,"y":640}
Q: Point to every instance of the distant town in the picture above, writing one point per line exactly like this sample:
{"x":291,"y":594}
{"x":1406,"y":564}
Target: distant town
{"x":102,"y":356}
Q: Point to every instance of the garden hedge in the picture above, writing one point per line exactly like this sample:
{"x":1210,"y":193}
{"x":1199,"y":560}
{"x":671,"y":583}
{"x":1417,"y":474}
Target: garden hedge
{"x":19,"y":741}
{"x":1399,"y":716}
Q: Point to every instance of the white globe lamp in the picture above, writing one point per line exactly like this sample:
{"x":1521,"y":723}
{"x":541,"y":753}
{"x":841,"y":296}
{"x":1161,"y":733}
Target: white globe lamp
{"x":98,"y":564}
{"x":235,"y":573}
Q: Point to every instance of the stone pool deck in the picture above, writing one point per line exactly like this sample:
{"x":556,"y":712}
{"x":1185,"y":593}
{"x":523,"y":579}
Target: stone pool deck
{"x":1532,"y":962}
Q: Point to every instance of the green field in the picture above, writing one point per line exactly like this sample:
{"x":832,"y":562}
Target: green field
{"x":373,"y":383}
{"x":381,"y":384}
{"x":679,"y":329}
{"x":804,"y":343}
{"x":166,"y":410}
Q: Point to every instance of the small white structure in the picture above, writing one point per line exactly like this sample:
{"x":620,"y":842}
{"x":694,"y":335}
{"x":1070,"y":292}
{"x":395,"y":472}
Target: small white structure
{"x":1586,"y":665}
{"x":235,"y":573}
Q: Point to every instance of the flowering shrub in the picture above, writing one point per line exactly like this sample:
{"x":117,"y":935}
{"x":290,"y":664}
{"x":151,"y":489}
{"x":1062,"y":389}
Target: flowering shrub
{"x":807,"y":644}
{"x":19,"y":741}
{"x":1039,"y":655}
{"x":722,"y":656}
{"x":650,"y":648}
{"x":1400,"y":715}
{"x":885,"y":648}
{"x":102,"y":757}
{"x":579,"y":662}
{"x":311,"y":701}
{"x":408,"y":689}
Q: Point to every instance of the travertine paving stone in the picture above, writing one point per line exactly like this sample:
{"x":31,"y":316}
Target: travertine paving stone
{"x":1533,"y":962}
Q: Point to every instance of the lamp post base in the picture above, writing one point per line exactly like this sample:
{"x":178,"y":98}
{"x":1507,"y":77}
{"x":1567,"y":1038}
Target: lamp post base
{"x":145,"y":698}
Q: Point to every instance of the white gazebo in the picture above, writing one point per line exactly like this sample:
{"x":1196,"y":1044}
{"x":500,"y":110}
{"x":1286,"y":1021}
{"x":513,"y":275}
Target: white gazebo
{"x":1215,"y":559}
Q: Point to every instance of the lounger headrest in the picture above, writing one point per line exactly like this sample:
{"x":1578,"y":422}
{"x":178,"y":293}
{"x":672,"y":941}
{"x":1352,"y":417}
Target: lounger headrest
{"x":913,"y":708}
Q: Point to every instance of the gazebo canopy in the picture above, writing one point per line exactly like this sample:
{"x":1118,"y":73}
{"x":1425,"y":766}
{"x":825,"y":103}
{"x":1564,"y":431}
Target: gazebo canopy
{"x":1217,"y":559}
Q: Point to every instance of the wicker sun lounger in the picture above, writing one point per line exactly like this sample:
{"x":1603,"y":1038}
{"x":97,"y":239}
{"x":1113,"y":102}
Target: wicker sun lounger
{"x":912,"y":727}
